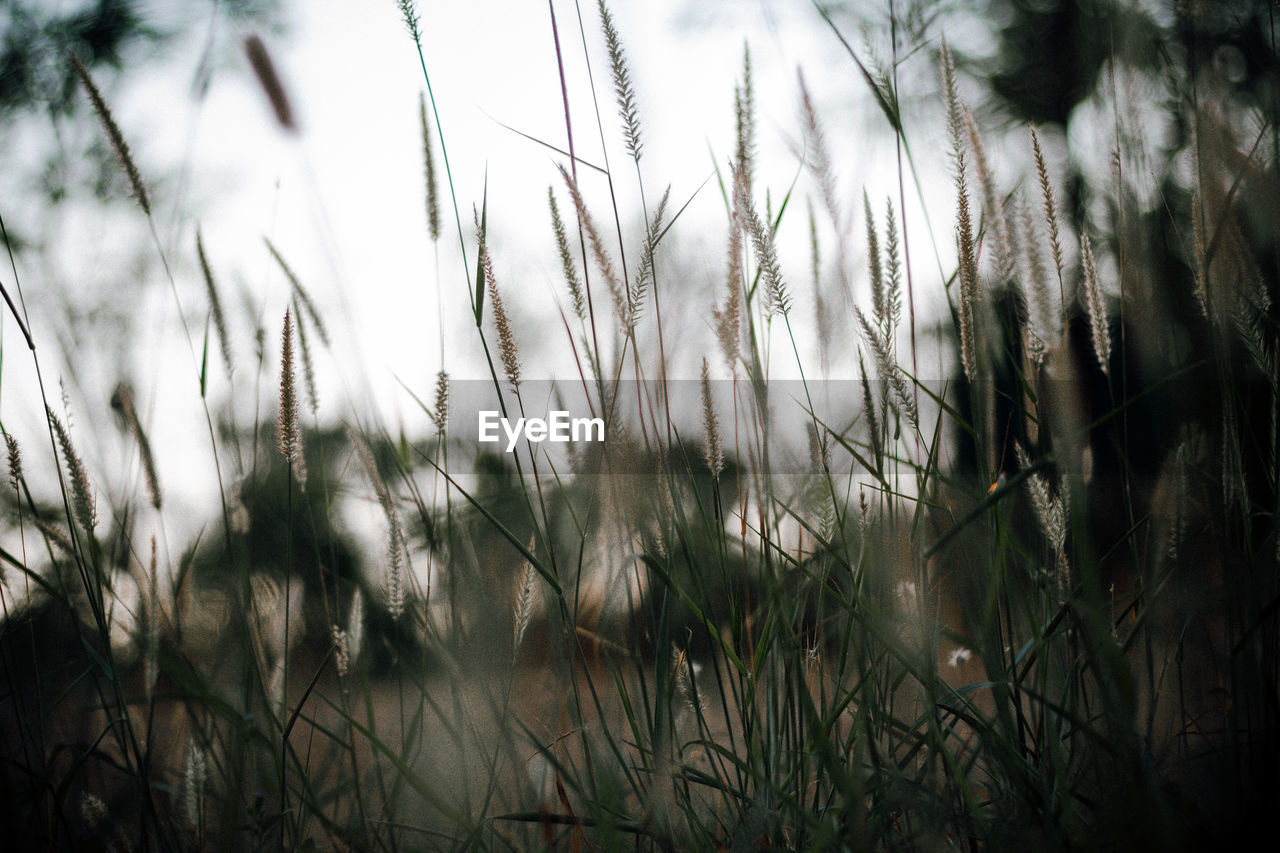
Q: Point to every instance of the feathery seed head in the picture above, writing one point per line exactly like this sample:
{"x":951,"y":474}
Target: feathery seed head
{"x":777,"y":297}
{"x":288,"y":431}
{"x":341,"y":655}
{"x":195,"y":773}
{"x":645,"y":274}
{"x":265,"y":70}
{"x":300,"y":293}
{"x":1099,"y":323}
{"x":429,"y":171}
{"x":355,"y":625}
{"x":114,"y":136}
{"x":893,"y":292}
{"x":506,"y":337}
{"x":57,"y":536}
{"x":122,"y":400}
{"x":153,"y":622}
{"x":15,"y":461}
{"x":409,"y":15}
{"x":1050,"y":203}
{"x":92,"y":810}
{"x":82,"y":499}
{"x":713,"y":449}
{"x":598,"y":251}
{"x":440,"y":412}
{"x":396,"y":540}
{"x":215,"y":304}
{"x":524,"y":603}
{"x":567,"y":264}
{"x":968,"y":273}
{"x":308,"y":367}
{"x":622,"y":87}
{"x":745,"y":120}
{"x":878,"y":299}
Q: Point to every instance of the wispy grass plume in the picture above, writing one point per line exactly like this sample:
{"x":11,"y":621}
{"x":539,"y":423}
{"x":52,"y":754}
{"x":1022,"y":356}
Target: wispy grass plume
{"x":1094,"y":306}
{"x":151,"y":652}
{"x":875,"y":271}
{"x":777,"y":297}
{"x":711,"y":424}
{"x":965,"y":248}
{"x":194,"y":776}
{"x":288,"y":431}
{"x":567,"y":264}
{"x":728,"y":320}
{"x":523,"y":612}
{"x":429,"y":171}
{"x":308,"y":367}
{"x":507,"y":349}
{"x":215,"y":305}
{"x":644,"y":277}
{"x":114,"y":136}
{"x":300,"y":293}
{"x":1049,"y":201}
{"x":622,"y":87}
{"x":440,"y":409}
{"x":122,"y":400}
{"x":265,"y":70}
{"x":82,"y":500}
{"x":598,"y":251}
{"x":396,"y":542}
{"x":744,"y":116}
{"x":15,"y":461}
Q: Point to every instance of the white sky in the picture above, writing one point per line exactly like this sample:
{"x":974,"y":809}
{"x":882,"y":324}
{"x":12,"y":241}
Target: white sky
{"x":345,"y":203}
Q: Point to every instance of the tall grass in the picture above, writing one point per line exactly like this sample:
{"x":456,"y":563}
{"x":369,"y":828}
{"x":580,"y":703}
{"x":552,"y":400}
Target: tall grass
{"x":1028,"y":605}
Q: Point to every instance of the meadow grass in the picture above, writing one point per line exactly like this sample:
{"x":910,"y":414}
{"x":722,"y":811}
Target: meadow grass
{"x":1028,"y":605}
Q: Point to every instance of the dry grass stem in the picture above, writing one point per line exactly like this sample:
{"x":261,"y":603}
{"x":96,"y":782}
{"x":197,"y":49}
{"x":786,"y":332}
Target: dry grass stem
{"x":300,"y":293}
{"x":308,"y":367}
{"x":152,"y":653}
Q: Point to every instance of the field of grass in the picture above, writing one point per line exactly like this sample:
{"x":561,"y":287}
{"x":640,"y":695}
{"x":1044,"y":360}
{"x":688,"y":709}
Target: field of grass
{"x":1032,"y":604}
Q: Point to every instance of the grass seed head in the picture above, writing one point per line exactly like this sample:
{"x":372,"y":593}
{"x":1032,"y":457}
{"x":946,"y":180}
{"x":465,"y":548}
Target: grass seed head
{"x":114,"y":136}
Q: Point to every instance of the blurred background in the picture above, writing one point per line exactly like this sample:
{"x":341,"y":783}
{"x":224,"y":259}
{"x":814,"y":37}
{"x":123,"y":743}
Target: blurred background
{"x":341,"y":195}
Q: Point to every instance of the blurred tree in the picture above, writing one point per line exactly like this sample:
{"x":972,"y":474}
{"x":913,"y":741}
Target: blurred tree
{"x":124,"y":37}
